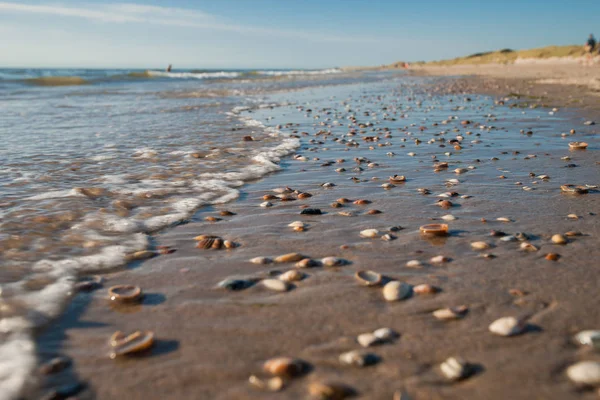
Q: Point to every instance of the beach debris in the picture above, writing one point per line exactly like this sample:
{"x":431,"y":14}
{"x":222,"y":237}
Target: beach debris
{"x":368,"y":278}
{"x":439,"y":259}
{"x":235,"y":284}
{"x":414,"y":264}
{"x":588,"y":338}
{"x":508,"y":326}
{"x":261,"y":260}
{"x":333,"y":261}
{"x":585,"y":373}
{"x":448,"y":217}
{"x":136,"y":342}
{"x":292,"y":276}
{"x":369,"y":233}
{"x":289,"y":257}
{"x":396,"y":290}
{"x":357,"y":358}
{"x":330,"y":390}
{"x":276,"y":285}
{"x":559,"y":239}
{"x":445,"y":204}
{"x":434,"y":229}
{"x":125,"y":293}
{"x":480,"y":245}
{"x":503,"y":219}
{"x":425,"y":288}
{"x":451,"y":313}
{"x":552,"y":256}
{"x":573,"y":189}
{"x":307,"y":263}
{"x":456,"y":368}
{"x":311,"y":211}
{"x":525,"y":246}
{"x":285,"y":366}
{"x":274,"y":384}
{"x":368,"y":339}
{"x":141,"y":255}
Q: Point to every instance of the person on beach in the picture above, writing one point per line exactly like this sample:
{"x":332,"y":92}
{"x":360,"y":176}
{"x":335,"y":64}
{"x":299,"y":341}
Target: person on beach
{"x":169,"y":68}
{"x":589,"y":49}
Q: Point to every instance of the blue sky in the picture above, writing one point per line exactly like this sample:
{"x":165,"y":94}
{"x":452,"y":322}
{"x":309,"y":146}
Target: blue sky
{"x":278,"y":33}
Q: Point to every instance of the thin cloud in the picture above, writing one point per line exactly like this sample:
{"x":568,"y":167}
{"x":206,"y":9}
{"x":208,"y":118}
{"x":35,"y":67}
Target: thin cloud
{"x":171,"y":16}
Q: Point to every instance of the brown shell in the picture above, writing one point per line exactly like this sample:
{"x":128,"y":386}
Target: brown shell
{"x":362,"y":202}
{"x":136,"y":342}
{"x":373,"y":212}
{"x":434,"y":229}
{"x":226,"y":213}
{"x":284,"y":366}
{"x":304,"y":195}
{"x":125,"y":293}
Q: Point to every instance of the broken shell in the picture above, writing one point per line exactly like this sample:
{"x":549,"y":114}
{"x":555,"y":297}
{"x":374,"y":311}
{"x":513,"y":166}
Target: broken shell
{"x":397,"y":179}
{"x":307,"y":263}
{"x":455,"y":368}
{"x":369,"y":233}
{"x":507,"y":326}
{"x":439,"y":259}
{"x":276,"y":285}
{"x":574,"y":189}
{"x":588,"y":338}
{"x":284,"y":366}
{"x":274,"y":384}
{"x":559,"y":239}
{"x":480,"y":245}
{"x":125,"y":293}
{"x":434,"y":229}
{"x":261,"y":260}
{"x":330,"y":390}
{"x":290,"y":257}
{"x":368,"y":278}
{"x":368,"y":339}
{"x":578,"y":145}
{"x":451,"y":313}
{"x":425,"y":288}
{"x":358,"y":358}
{"x":333,"y":261}
{"x":292,"y":276}
{"x":586,"y":373}
{"x":396,"y":290}
{"x":136,"y":342}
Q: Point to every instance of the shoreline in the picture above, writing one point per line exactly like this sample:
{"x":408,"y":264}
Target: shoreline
{"x":211,"y":340}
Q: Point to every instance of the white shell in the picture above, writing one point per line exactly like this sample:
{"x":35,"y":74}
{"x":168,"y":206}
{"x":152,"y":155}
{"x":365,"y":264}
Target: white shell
{"x":396,"y":290}
{"x":297,"y":224}
{"x":261,"y":260}
{"x":414,"y":264}
{"x":454,"y":368}
{"x":449,"y":313}
{"x":332,"y":261}
{"x":357,"y":358}
{"x":385,"y":333}
{"x":367,"y":339}
{"x":585,"y":373}
{"x":588,"y":338}
{"x":266,"y":204}
{"x":439,"y":259}
{"x":507,"y":326}
{"x":292,"y":276}
{"x":369,"y":233}
{"x":275,"y":285}
{"x":449,"y":217}
{"x":559,"y":239}
{"x":480,"y":246}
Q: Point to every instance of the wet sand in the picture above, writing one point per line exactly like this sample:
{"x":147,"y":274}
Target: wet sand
{"x":211,"y":340}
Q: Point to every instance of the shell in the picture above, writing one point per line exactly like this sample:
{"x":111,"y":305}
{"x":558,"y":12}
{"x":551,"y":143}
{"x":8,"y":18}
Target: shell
{"x":307,"y":263}
{"x":304,"y":195}
{"x":261,"y":260}
{"x":297,"y":224}
{"x":578,"y":145}
{"x":235,"y":284}
{"x":439,"y":259}
{"x":284,"y":366}
{"x":461,"y":170}
{"x":434,"y":229}
{"x":574,"y":189}
{"x":136,"y":342}
{"x":369,"y":233}
{"x":425,"y":288}
{"x":396,"y":290}
{"x":507,"y":326}
{"x":559,"y":239}
{"x":330,"y":390}
{"x":362,"y":202}
{"x":209,"y":242}
{"x":292,"y":276}
{"x":455,"y":368}
{"x":347,"y":213}
{"x":480,"y":246}
{"x":450,"y":313}
{"x":266,"y":204}
{"x":276,"y":285}
{"x":373,"y":212}
{"x":385,"y":334}
{"x":397,"y":179}
{"x":333,"y":261}
{"x":449,"y":217}
{"x":368,"y":339}
{"x":552,"y":256}
{"x":358,"y":358}
{"x":125,"y":293}
{"x":274,"y":384}
{"x":368,"y":278}
{"x":528,"y":247}
{"x":588,"y":338}
{"x":141,"y":255}
{"x":586,"y":373}
{"x":290,"y":257}
{"x":414,"y":264}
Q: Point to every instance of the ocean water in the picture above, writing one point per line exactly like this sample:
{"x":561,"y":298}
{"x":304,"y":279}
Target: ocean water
{"x":93,"y":162}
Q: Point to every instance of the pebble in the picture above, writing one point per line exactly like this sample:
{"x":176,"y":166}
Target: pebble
{"x":449,"y":217}
{"x":235,"y":284}
{"x":507,"y":326}
{"x":330,"y":390}
{"x":439,"y":259}
{"x":369,"y":233}
{"x":585,"y":373}
{"x":285,"y":366}
{"x":276,"y":285}
{"x":290,"y":257}
{"x":311,"y":211}
{"x":358,"y":358}
{"x":559,"y":239}
{"x":266,"y":204}
{"x":588,"y":338}
{"x":480,"y":245}
{"x":368,"y":339}
{"x":261,"y":260}
{"x":425,"y":288}
{"x":333,"y":261}
{"x":307,"y":263}
{"x":292,"y":276}
{"x":414,"y":264}
{"x":385,"y":334}
{"x":450,"y":313}
{"x":396,"y":290}
{"x":274,"y":384}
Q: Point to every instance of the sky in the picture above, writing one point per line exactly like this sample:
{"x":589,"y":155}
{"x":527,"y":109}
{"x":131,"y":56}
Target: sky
{"x":278,"y":33}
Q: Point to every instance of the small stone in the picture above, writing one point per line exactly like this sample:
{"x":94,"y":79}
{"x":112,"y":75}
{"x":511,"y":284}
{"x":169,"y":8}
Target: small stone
{"x":307,"y":263}
{"x":311,"y":211}
{"x":261,"y":260}
{"x":449,"y":217}
{"x":330,"y":390}
{"x":425,"y":288}
{"x":480,"y":246}
{"x":450,"y":313}
{"x":455,"y":368}
{"x":266,"y":204}
{"x":439,"y":259}
{"x":274,"y":384}
{"x":507,"y":326}
{"x":289,"y":257}
{"x":396,"y":290}
{"x":414,"y":264}
{"x":528,"y":247}
{"x":333,"y":261}
{"x":559,"y":239}
{"x":357,"y":358}
{"x":235,"y":284}
{"x":385,"y":334}
{"x":285,"y":366}
{"x":369,"y":233}
{"x":276,"y":285}
{"x":292,"y":276}
{"x":585,"y":373}
{"x":368,"y":340}
{"x":552,"y":256}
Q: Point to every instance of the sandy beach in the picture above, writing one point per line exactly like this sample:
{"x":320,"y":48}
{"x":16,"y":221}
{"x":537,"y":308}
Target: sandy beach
{"x":509,"y":160}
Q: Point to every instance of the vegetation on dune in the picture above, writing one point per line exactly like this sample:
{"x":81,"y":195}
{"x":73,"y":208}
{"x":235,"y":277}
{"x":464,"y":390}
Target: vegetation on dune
{"x":508,"y":56}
